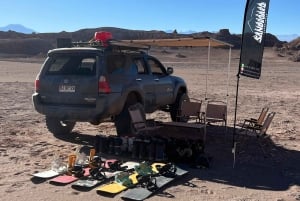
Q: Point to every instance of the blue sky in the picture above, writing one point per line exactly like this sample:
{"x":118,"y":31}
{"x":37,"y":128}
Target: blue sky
{"x":183,"y":15}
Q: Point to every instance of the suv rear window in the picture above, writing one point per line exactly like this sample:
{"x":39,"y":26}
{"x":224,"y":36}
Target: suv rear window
{"x":71,"y":65}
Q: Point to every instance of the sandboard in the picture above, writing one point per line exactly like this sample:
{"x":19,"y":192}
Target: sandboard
{"x":57,"y":168}
{"x":67,"y":179}
{"x":142,"y":192}
{"x":73,"y":173}
{"x":117,"y":187}
{"x":179,"y":171}
{"x":46,"y":174}
{"x":130,"y":164}
{"x":92,"y":181}
{"x":97,"y":171}
{"x":123,"y":181}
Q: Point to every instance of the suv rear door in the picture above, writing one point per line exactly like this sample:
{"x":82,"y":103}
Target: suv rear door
{"x":163,"y":84}
{"x":145,"y":80}
{"x":70,"y":79}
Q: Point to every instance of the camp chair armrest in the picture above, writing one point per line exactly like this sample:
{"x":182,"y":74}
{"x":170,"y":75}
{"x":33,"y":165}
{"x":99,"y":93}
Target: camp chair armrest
{"x":214,"y":120}
{"x":257,"y":126}
{"x":251,"y":120}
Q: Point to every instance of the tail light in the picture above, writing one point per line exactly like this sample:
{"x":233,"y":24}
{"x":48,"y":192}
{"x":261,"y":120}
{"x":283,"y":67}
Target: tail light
{"x":37,"y":85}
{"x":103,"y":85}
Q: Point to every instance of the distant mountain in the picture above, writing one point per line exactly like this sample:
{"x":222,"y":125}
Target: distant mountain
{"x":12,"y":42}
{"x":17,"y":28}
{"x":287,"y":37}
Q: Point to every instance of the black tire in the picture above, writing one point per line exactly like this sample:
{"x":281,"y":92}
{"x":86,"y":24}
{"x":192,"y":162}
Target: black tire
{"x":123,"y":120}
{"x":59,"y":127}
{"x":176,"y":106}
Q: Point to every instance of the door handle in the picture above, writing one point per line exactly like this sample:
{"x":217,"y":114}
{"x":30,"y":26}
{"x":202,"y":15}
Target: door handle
{"x":156,"y":79}
{"x":138,"y":79}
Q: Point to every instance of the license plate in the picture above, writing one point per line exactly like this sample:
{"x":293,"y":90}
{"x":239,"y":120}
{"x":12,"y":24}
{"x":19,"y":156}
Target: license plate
{"x":67,"y":88}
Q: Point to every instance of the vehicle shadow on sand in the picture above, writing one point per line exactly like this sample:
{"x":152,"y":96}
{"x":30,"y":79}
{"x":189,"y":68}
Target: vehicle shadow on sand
{"x":259,"y":162}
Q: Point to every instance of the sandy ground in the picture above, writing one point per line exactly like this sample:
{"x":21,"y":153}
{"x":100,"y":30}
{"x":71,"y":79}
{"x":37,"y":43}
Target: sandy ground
{"x":265,"y":169}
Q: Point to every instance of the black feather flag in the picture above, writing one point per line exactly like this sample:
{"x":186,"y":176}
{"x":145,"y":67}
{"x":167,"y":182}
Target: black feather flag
{"x":254,"y":30}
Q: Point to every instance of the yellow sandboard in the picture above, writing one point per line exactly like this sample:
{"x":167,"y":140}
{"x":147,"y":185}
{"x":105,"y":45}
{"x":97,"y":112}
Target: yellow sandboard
{"x":115,"y":187}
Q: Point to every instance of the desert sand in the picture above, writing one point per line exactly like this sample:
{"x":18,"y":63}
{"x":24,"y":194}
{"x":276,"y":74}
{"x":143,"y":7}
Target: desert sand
{"x":265,"y":169}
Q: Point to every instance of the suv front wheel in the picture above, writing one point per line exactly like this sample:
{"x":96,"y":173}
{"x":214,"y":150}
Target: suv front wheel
{"x":59,"y":127}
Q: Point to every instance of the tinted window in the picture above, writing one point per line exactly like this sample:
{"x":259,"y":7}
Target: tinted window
{"x":156,"y":67}
{"x":116,"y":64}
{"x":71,"y":65}
{"x":140,"y":65}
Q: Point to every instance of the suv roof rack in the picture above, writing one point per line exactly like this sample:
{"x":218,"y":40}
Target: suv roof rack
{"x":101,"y":40}
{"x":111,"y":43}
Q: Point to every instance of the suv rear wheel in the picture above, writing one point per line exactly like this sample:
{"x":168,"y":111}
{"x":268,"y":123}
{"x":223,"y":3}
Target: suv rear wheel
{"x":177,"y":105}
{"x":59,"y":127}
{"x":123,"y":120}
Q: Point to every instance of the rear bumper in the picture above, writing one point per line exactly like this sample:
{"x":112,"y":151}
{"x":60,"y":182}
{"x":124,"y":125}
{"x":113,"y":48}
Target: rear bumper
{"x":104,"y":108}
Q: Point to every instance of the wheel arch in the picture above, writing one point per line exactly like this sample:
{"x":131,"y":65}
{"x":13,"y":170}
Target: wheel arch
{"x":134,"y":96}
{"x":180,"y":90}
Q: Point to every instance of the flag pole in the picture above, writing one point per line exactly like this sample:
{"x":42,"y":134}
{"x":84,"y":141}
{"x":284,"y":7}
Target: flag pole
{"x":254,"y":29}
{"x":235,"y":115}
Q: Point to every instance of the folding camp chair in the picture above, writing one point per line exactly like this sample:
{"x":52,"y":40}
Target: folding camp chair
{"x":245,"y":134}
{"x":190,"y":111}
{"x":258,"y":129}
{"x":138,"y":119}
{"x":216,"y":111}
{"x":253,"y":122}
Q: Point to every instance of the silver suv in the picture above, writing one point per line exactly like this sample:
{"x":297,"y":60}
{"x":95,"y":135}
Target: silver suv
{"x":98,"y":83}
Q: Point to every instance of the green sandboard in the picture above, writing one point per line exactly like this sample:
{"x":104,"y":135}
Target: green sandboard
{"x":116,"y":187}
{"x":123,"y":181}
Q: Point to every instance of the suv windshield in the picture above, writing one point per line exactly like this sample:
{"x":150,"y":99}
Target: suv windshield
{"x":70,"y":64}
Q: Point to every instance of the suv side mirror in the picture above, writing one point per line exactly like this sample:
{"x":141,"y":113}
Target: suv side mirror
{"x":170,"y":70}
